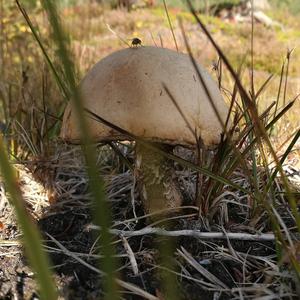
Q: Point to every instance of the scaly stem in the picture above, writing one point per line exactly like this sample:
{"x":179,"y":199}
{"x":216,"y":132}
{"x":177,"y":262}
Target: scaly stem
{"x":155,"y":178}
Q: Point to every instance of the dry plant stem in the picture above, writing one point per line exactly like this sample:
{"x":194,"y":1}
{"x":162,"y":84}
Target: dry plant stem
{"x":155,"y":179}
{"x":241,"y":236}
{"x":170,"y":24}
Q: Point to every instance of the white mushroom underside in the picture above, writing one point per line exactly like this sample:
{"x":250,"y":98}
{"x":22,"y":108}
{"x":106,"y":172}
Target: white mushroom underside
{"x":126,"y":88}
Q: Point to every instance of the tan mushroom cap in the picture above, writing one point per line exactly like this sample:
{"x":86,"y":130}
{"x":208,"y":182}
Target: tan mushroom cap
{"x":126,"y":88}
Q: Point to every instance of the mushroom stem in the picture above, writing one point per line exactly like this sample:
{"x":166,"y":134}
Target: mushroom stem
{"x":155,"y":179}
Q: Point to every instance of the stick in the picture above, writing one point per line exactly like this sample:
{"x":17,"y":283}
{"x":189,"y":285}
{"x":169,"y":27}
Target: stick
{"x":192,"y":233}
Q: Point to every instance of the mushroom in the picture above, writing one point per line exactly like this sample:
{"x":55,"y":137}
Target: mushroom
{"x":126,"y":88}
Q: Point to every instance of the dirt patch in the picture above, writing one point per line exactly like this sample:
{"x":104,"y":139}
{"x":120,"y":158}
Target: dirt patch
{"x":204,"y":268}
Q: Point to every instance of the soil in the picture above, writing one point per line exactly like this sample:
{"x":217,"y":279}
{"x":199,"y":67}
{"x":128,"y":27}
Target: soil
{"x":236,"y":264}
{"x":76,"y":281}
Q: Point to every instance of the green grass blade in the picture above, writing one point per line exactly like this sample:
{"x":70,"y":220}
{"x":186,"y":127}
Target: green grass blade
{"x":102,"y":215}
{"x":270,"y":125}
{"x":279,"y":87}
{"x":43,"y":49}
{"x":101,"y":208}
{"x":263,"y":87}
{"x":31,"y":236}
{"x":170,"y":24}
{"x":288,"y":59}
{"x":282,"y":160}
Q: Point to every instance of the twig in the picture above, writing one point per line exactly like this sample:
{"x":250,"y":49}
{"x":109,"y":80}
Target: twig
{"x":132,"y":190}
{"x":131,"y":256}
{"x":157,"y":213}
{"x":193,"y":233}
{"x":131,"y":287}
{"x":117,"y":35}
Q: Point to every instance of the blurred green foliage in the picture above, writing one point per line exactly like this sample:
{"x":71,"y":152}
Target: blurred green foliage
{"x":61,"y":3}
{"x":291,"y":5}
{"x":199,"y":4}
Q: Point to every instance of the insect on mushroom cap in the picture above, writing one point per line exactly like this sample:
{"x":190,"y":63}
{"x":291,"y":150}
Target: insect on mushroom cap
{"x":136,"y":42}
{"x":126,"y":88}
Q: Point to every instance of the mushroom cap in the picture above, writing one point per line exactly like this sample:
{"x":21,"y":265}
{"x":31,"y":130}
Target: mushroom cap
{"x":126,"y":88}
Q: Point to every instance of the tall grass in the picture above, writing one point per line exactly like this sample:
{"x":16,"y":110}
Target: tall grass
{"x":102,"y":215}
{"x":101,"y":209}
{"x":259,"y":130}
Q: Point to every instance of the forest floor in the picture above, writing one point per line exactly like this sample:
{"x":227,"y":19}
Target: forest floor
{"x":55,"y":183}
